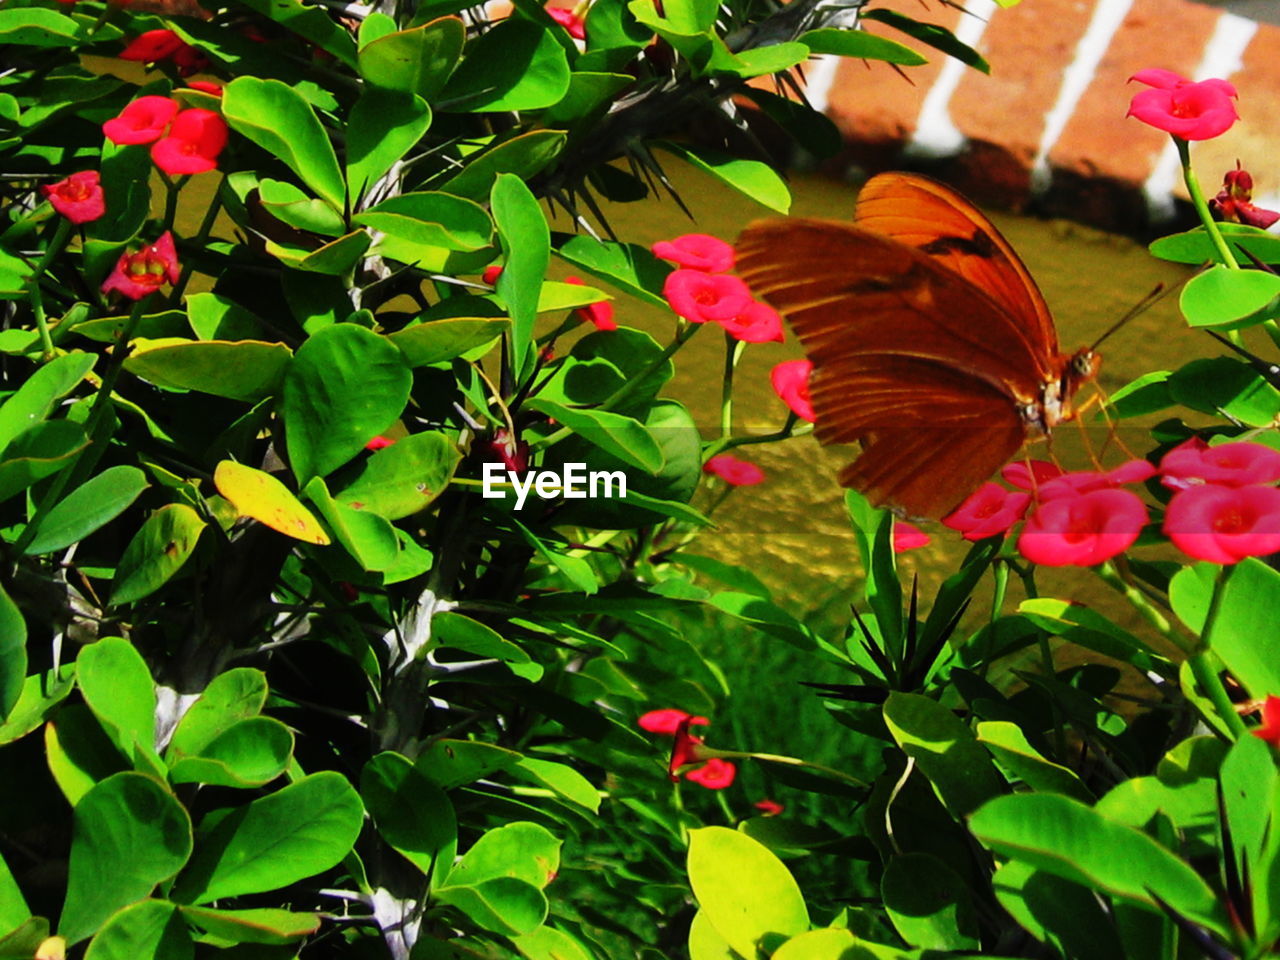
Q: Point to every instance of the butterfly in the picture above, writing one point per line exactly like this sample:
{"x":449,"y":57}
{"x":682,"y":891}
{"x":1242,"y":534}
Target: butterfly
{"x":931,"y":345}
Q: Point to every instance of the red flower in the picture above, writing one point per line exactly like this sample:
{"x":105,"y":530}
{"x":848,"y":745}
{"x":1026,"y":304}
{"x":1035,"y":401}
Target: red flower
{"x":193,"y":144}
{"x":142,"y":121}
{"x":988,"y":511}
{"x":491,"y":274}
{"x":1084,"y":529}
{"x":1233,"y":201}
{"x":790,"y":381}
{"x":152,"y":46}
{"x":206,"y":86}
{"x":1224,"y":524}
{"x":715,"y":774}
{"x":769,"y":808}
{"x":1187,"y":109}
{"x":907,"y":536}
{"x":599,"y":313}
{"x":79,"y":197}
{"x":378,"y":443}
{"x":138,"y":274}
{"x":1270,"y":728}
{"x":700,"y":297}
{"x":189,"y":60}
{"x":667,"y":721}
{"x":758,"y":323}
{"x":566,"y":18}
{"x":1086,"y":481}
{"x":514,"y":454}
{"x":735,"y":472}
{"x":1026,"y":477}
{"x":1235,"y":464}
{"x":697,"y":251}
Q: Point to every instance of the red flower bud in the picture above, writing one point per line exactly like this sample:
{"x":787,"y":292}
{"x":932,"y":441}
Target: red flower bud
{"x":790,"y":381}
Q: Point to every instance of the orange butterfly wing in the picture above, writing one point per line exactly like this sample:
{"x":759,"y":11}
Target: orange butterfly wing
{"x":913,"y":357}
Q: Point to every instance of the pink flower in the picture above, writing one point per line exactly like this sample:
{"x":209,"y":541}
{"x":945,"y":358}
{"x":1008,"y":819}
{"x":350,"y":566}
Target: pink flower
{"x":79,"y":197}
{"x":697,"y":251}
{"x":193,"y":144}
{"x":491,"y":274}
{"x":1082,"y":530}
{"x":667,"y":721}
{"x":735,"y":472}
{"x":1233,"y":201}
{"x":907,"y":536}
{"x":1269,"y":730}
{"x":715,"y":774}
{"x":599,"y":313}
{"x":566,"y":18}
{"x":987,"y":512}
{"x":758,"y":323}
{"x":152,"y":45}
{"x":1187,"y":109}
{"x":141,"y":121}
{"x":1224,"y":524}
{"x":1235,"y":464}
{"x":206,"y":86}
{"x":1086,"y":481}
{"x":138,"y":274}
{"x":1019,"y":475}
{"x":378,"y":443}
{"x":699,"y":297}
{"x":769,"y":808}
{"x":790,"y":381}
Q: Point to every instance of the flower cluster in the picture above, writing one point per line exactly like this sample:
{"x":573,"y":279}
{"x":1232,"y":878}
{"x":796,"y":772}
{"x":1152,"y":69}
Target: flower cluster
{"x":700,"y":290}
{"x":157,"y":45}
{"x":1185,"y":108}
{"x":181,"y":142}
{"x":1225,"y":507}
{"x":714,"y":773}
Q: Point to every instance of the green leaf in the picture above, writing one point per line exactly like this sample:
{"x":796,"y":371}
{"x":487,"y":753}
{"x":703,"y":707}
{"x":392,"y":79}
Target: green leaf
{"x":1149,"y":393}
{"x":146,"y":930}
{"x":417,"y":225}
{"x":588,"y":98}
{"x":1086,"y":627}
{"x":753,"y":178}
{"x":311,"y":23}
{"x":548,"y":943}
{"x":345,"y":385}
{"x":233,"y":695}
{"x":35,"y":27}
{"x":13,"y":655}
{"x":277,"y":118}
{"x":873,"y":529}
{"x":294,"y":206}
{"x":79,"y":752}
{"x":765,"y":616}
{"x":944,"y":749}
{"x":860,"y":44}
{"x":456,"y":632}
{"x":334,"y":259}
{"x":250,"y":753}
{"x":39,"y":452}
{"x":1230,"y":299}
{"x":521,"y":850}
{"x":1012,"y":752}
{"x":265,"y":925}
{"x":88,"y":508}
{"x":560,"y":779}
{"x":41,"y":692}
{"x":706,"y":944}
{"x":831,"y":943}
{"x":524,"y":156}
{"x":274,"y":841}
{"x":937,"y":37}
{"x":624,"y":437}
{"x":156,"y":553}
{"x":1250,"y":793}
{"x":575,"y":569}
{"x":40,"y":393}
{"x":1225,"y":386}
{"x":438,"y":341}
{"x":247,"y":370}
{"x":129,"y":835}
{"x":746,"y":892}
{"x":516,"y":65}
{"x":399,"y":480}
{"x":383,"y":126}
{"x":928,"y":903}
{"x":628,"y":266}
{"x":526,"y":246}
{"x":503,"y":905}
{"x":13,"y":907}
{"x":116,"y":684}
{"x":1063,"y":914}
{"x":410,"y":812}
{"x":455,"y":763}
{"x":416,"y":61}
{"x":1069,"y":840}
{"x":369,"y":538}
{"x":1249,"y":597}
{"x":1195,"y":247}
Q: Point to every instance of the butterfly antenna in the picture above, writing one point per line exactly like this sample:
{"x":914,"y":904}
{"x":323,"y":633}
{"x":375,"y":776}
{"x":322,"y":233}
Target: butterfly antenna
{"x":1158,"y":293}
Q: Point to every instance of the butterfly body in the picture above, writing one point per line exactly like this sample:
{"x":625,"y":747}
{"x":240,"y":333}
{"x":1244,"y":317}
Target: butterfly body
{"x":932,"y":347}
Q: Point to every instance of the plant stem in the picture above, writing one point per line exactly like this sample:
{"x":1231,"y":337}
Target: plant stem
{"x":1202,"y":663}
{"x":707,"y":753}
{"x":59,"y":241}
{"x":732,"y":354}
{"x":1202,"y":207}
{"x":1112,"y":578}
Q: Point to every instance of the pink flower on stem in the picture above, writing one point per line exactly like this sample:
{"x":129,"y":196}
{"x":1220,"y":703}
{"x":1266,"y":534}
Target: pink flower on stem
{"x":1233,"y":202}
{"x":715,"y":773}
{"x":193,"y":144}
{"x":696,"y":251}
{"x":1269,"y":730}
{"x":574,"y":24}
{"x":987,"y":512}
{"x":758,"y":323}
{"x":1224,"y":524}
{"x":1082,"y":530}
{"x":1024,"y":477}
{"x":600,"y":313}
{"x":1187,"y":109}
{"x":735,"y":472}
{"x":1234,"y":464}
{"x":79,"y":197}
{"x":790,"y":381}
{"x":141,"y":121}
{"x":907,"y":536}
{"x":699,"y":297}
{"x":138,"y":274}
